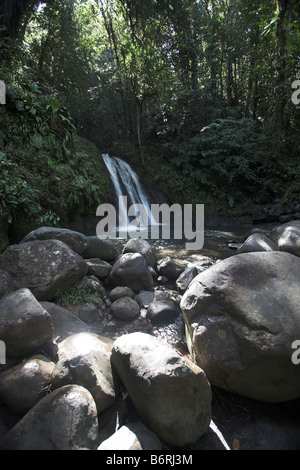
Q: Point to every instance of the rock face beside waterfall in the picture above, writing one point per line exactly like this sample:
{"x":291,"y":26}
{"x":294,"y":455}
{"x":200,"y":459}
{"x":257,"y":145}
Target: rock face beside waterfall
{"x":242,"y":316}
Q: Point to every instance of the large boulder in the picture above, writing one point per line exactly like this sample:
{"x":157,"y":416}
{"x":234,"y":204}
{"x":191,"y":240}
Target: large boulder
{"x":287,"y":237}
{"x":257,"y":242}
{"x":75,"y":240}
{"x":23,"y":385}
{"x":171,"y":394}
{"x":24,"y":324}
{"x":45,"y":267}
{"x":84,"y":359}
{"x":131,"y":270}
{"x":242,"y":316}
{"x":65,"y":419}
{"x":138,"y":245}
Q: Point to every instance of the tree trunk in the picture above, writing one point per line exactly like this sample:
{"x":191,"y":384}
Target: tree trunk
{"x":280,"y":75}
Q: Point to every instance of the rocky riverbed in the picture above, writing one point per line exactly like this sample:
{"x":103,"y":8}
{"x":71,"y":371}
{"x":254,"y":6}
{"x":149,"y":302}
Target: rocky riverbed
{"x":114,"y":345}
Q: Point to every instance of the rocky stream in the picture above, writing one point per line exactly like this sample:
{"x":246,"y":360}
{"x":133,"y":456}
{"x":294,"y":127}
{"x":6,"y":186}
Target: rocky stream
{"x":130,"y":345}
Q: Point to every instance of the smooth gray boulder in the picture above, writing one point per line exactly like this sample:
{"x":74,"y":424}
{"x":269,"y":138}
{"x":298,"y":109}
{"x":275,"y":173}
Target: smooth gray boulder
{"x":242,"y":316}
{"x":45,"y":267}
{"x":24,"y":324}
{"x":257,"y":242}
{"x":171,"y":394}
{"x":65,"y":419}
{"x":84,"y":359}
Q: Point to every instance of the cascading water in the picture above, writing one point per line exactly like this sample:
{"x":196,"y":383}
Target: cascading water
{"x":126,"y":183}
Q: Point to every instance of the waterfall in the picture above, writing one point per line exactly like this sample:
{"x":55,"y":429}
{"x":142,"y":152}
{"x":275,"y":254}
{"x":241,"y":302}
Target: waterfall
{"x":126,"y":183}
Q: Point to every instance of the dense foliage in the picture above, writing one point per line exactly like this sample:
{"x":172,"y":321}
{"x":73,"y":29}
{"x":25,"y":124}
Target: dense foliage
{"x":195,"y":93}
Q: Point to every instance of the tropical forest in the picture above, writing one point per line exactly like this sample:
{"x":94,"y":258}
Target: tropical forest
{"x":140,"y":342}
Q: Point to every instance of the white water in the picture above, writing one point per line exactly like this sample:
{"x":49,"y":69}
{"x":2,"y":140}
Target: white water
{"x":126,"y":183}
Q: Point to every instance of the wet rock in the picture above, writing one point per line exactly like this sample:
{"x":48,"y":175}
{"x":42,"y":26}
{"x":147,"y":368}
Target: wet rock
{"x":75,"y":240}
{"x":84,"y":359}
{"x":172,"y":395}
{"x":132,"y":436}
{"x":170,"y":268}
{"x":65,"y":419}
{"x":23,"y":385}
{"x":242,"y":316}
{"x":24,"y":324}
{"x":138,"y":245}
{"x":44,"y":267}
{"x":162,"y":311}
{"x":125,"y":308}
{"x":131,"y":270}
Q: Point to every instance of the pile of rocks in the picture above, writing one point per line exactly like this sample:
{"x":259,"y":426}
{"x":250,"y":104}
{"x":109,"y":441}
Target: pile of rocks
{"x":61,"y":380}
{"x":66,"y":386}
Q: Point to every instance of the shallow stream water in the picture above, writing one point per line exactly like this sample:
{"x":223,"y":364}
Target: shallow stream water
{"x":216,"y":247}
